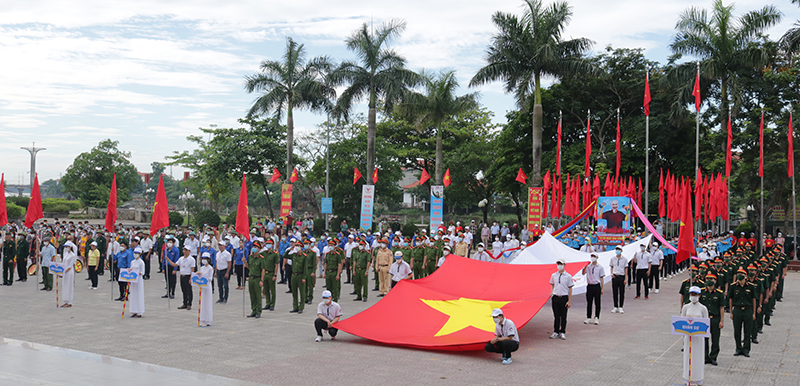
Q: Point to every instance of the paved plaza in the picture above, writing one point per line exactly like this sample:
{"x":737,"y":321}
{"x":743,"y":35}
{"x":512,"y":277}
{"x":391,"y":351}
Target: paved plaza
{"x":43,"y":344}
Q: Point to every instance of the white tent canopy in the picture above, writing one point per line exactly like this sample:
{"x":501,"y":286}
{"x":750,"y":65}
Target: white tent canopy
{"x":548,"y":250}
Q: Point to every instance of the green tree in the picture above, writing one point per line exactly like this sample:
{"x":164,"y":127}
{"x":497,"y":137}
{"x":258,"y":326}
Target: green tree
{"x":89,"y":177}
{"x":289,"y":84}
{"x":379,"y":73}
{"x":725,"y":46}
{"x":435,"y":106}
{"x":210,"y":177}
{"x":790,"y":41}
{"x":524,"y":50}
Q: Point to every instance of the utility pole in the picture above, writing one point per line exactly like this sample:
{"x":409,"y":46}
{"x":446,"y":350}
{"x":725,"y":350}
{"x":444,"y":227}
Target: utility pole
{"x":33,"y":150}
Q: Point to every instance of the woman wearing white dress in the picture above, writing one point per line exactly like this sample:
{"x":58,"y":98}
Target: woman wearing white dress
{"x":207,"y":298}
{"x":694,"y":309}
{"x":137,"y":287}
{"x":68,"y":260}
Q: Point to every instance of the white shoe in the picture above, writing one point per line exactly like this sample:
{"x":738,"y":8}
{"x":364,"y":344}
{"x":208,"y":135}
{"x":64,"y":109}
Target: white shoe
{"x":587,"y":321}
{"x":554,"y":336}
{"x":614,"y":310}
{"x":319,"y":338}
{"x":656,"y":291}
{"x":596,"y":321}
{"x":621,"y":311}
{"x":563,"y":336}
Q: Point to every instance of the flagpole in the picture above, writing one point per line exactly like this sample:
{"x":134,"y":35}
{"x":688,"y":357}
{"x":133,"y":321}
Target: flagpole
{"x":794,"y":199}
{"x":647,"y":155}
{"x":327,"y":166}
{"x":760,"y":169}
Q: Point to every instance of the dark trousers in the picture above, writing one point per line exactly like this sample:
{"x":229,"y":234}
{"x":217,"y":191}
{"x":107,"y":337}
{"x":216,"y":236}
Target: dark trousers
{"x":239,"y":270}
{"x":289,"y":275}
{"x":712,"y":351}
{"x":93,"y":275}
{"x":22,"y":269}
{"x":47,"y":277}
{"x":8,"y":271}
{"x":171,"y":281}
{"x":123,"y":285}
{"x":641,"y":278}
{"x":320,"y":325}
{"x":560,"y":313}
{"x":186,"y":288}
{"x":146,"y":259}
{"x":346,"y":269}
{"x":653,"y":279}
{"x":742,"y":324}
{"x":506,"y":347}
{"x":618,"y":290}
{"x":631,"y":275}
{"x":280,"y":267}
{"x":593,"y":295}
{"x":222,"y":283}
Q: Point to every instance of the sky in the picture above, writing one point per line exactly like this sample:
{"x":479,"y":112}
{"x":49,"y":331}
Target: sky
{"x":149,"y":73}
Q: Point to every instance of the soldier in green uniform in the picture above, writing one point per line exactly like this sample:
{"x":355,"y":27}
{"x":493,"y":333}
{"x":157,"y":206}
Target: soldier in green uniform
{"x":311,"y":280}
{"x":332,"y":266}
{"x":758,"y":283}
{"x":714,"y":300}
{"x":300,"y":270}
{"x":271,"y":259}
{"x":23,"y":250}
{"x":771,"y":272}
{"x":432,"y":254}
{"x":685,"y":285}
{"x":418,"y":256}
{"x":405,"y":247}
{"x":361,"y":260}
{"x":9,"y":254}
{"x":255,"y":262}
{"x":742,"y":303}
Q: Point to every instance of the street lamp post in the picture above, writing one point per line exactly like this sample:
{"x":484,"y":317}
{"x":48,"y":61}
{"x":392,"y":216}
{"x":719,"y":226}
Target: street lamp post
{"x":185,"y":197}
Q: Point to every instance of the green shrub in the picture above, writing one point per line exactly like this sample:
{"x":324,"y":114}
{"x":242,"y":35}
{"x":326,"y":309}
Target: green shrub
{"x":206,"y":217}
{"x":175,"y":218}
{"x":49,"y":203}
{"x":409,"y":229}
{"x":14,"y":210}
{"x":19,"y":201}
{"x":319,"y":225}
{"x":745,"y":227}
{"x":61,"y":208}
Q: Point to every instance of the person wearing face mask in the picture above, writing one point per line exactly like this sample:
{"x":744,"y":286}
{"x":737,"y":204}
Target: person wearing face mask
{"x":417,"y":253}
{"x":361,"y":263}
{"x":693,"y":280}
{"x":111,"y":250}
{"x":497,"y":249}
{"x":123,"y":260}
{"x":400,"y":270}
{"x":618,"y":266}
{"x":433,"y":251}
{"x":742,"y":303}
{"x":255,"y":264}
{"x":328,"y":313}
{"x":9,"y":253}
{"x":461,"y":248}
{"x":270,"y":263}
{"x":185,"y":266}
{"x":656,"y":258}
{"x":714,"y":300}
{"x":92,"y":262}
{"x":481,"y":254}
{"x":594,"y":274}
{"x":207,"y":302}
{"x":283,"y":246}
{"x":23,"y":249}
{"x":312,"y":257}
{"x":506,"y":337}
{"x":642,"y":259}
{"x":223,"y":271}
{"x":68,"y":260}
{"x":694,"y":309}
{"x":48,"y":255}
{"x":383,"y":259}
{"x":445,"y":255}
{"x":759,"y":283}
{"x":169,"y":265}
{"x":332,"y":265}
{"x":137,"y":287}
{"x":561,"y":284}
{"x":301,"y":269}
{"x":348,"y":254}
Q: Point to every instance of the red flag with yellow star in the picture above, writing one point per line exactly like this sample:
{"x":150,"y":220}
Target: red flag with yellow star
{"x":375,"y":176}
{"x":275,"y":176}
{"x":447,"y":179}
{"x":160,"y":209}
{"x":452,"y":309}
{"x":294,"y":176}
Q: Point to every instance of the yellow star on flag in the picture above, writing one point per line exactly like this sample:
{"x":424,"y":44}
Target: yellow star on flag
{"x":464,"y":312}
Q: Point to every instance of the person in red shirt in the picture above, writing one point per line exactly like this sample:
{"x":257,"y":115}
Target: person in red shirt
{"x":769,"y":242}
{"x":752,"y":240}
{"x":742,"y":241}
{"x":536,"y":233}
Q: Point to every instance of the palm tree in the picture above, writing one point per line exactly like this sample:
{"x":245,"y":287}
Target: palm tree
{"x":790,"y":41}
{"x":527,"y":48}
{"x":288,"y":84}
{"x":435,"y":106}
{"x":724,"y":45}
{"x":381,"y":73}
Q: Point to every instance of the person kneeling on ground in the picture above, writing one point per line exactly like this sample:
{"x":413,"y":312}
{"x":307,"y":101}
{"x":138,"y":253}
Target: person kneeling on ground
{"x":328,"y":313}
{"x":506,"y":339}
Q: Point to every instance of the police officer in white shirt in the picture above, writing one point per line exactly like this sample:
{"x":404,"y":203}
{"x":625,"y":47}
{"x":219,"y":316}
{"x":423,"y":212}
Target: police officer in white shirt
{"x":482,"y":255}
{"x":506,"y":337}
{"x":642,"y":261}
{"x":656,"y":258}
{"x":400,"y":270}
{"x":561,"y":284}
{"x":594,"y":274}
{"x":618,"y":276}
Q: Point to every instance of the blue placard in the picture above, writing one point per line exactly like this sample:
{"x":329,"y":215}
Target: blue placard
{"x":327,"y":205}
{"x":367,"y":206}
{"x":437,"y":207}
{"x":56,"y":268}
{"x":685,"y":325}
{"x":199,"y":281}
{"x":128,"y":276}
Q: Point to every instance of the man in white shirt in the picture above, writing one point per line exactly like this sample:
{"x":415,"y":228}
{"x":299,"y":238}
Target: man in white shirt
{"x":328,"y":313}
{"x":618,"y":267}
{"x":445,"y":253}
{"x":186,"y":264}
{"x":561,"y":284}
{"x":594,"y":275}
{"x":468,"y":236}
{"x":348,"y":251}
{"x":111,"y":250}
{"x":400,"y":270}
{"x":656,"y":257}
{"x":223,"y":272}
{"x":193,"y":243}
{"x":642,"y":260}
{"x":147,"y":245}
{"x":506,"y":337}
{"x":482,"y":255}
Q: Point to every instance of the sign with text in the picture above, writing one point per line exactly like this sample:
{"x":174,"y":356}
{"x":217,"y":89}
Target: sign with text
{"x":687,"y":325}
{"x":130,"y":277}
{"x":534,"y":208}
{"x":286,"y":199}
{"x":367,"y":206}
{"x":56,"y":268}
{"x":327,"y":205}
{"x":437,"y":207}
{"x":613,"y":219}
{"x":199,"y":281}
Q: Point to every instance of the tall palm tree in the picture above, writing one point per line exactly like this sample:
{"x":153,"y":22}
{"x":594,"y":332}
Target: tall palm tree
{"x":288,"y":84}
{"x":379,"y":73}
{"x":724,"y":45}
{"x":435,"y":106}
{"x":790,"y":41}
{"x":525,"y":49}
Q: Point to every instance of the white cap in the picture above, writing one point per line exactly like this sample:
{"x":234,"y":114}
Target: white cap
{"x":497,"y":312}
{"x":326,"y":294}
{"x":206,"y":254}
{"x":695,"y":290}
{"x":398,"y":255}
{"x":135,"y":250}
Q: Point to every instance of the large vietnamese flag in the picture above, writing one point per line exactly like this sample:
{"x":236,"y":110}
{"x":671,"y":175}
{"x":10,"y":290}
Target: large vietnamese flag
{"x":160,"y":209}
{"x":452,"y":308}
{"x":111,"y":208}
{"x":35,"y":205}
{"x":686,"y":247}
{"x":243,"y":212}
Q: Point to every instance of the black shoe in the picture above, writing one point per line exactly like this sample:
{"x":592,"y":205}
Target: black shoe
{"x":356,"y":299}
{"x":760,"y":331}
{"x":21,"y":279}
{"x":713,"y":362}
{"x":309,"y":302}
{"x":354,"y":293}
{"x":159,"y":271}
{"x":736,"y":354}
{"x":172,"y":296}
{"x":257,"y":316}
{"x":292,"y":311}
{"x":85,"y":279}
{"x":219,"y":301}
{"x":188,"y":308}
{"x":41,"y":282}
{"x":365,"y":300}
{"x":119,"y":299}
{"x":43,"y":289}
{"x":380,"y":296}
{"x":265,"y":308}
{"x":146,"y":277}
{"x":299,"y":311}
{"x":253,"y":314}
{"x":708,"y":361}
{"x":767,"y":324}
{"x":165,"y":296}
{"x":289,"y":291}
{"x":183,"y":307}
{"x":24,"y":280}
{"x":746,"y":355}
{"x":755,"y":341}
{"x":100,"y":274}
{"x":110,"y":279}
{"x":779,"y":300}
{"x":347,"y":282}
{"x":374,"y":289}
{"x":272,"y":308}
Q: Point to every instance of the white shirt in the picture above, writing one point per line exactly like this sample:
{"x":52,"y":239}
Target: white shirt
{"x":223,"y":259}
{"x":618,"y":265}
{"x":186,"y":264}
{"x":497,"y":247}
{"x":642,"y":260}
{"x":562,"y":282}
{"x":594,"y":272}
{"x":399,"y":270}
{"x":235,"y":242}
{"x":482,"y":256}
{"x":331,"y":311}
{"x":696,"y":310}
{"x":468,"y":238}
{"x":348,"y":248}
{"x":506,"y":328}
{"x":193,"y":245}
{"x":656,"y":257}
{"x":146,"y":244}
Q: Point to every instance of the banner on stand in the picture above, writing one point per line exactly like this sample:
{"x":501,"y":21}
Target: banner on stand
{"x":286,"y":199}
{"x":437,"y":207}
{"x":613,"y":219}
{"x":367,"y":205}
{"x":534,"y":208}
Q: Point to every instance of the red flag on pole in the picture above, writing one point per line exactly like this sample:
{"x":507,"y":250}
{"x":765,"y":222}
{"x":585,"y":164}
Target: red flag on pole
{"x":619,"y":142}
{"x":375,"y":176}
{"x":596,"y":186}
{"x":698,"y":188}
{"x":558,"y":146}
{"x":587,"y":164}
{"x":555,"y":209}
{"x":160,"y":209}
{"x":424,"y":177}
{"x":295,"y":176}
{"x":275,"y":176}
{"x":647,"y":94}
{"x":34,"y":205}
{"x":661,"y":208}
{"x":546,"y":182}
{"x":243,"y":211}
{"x":111,"y":208}
{"x":790,"y":156}
{"x":761,"y":147}
{"x":696,"y":89}
{"x":639,"y":193}
{"x":446,"y":180}
{"x":686,"y":237}
{"x":3,"y":209}
{"x":521,"y":177}
{"x":356,"y":175}
{"x":728,"y":151}
{"x":607,"y":186}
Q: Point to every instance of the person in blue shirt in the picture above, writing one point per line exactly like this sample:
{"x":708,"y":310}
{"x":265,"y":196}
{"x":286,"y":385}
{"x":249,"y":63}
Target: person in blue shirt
{"x":123,"y":260}
{"x":171,"y":253}
{"x":206,"y":247}
{"x":238,"y":266}
{"x":283,"y":245}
